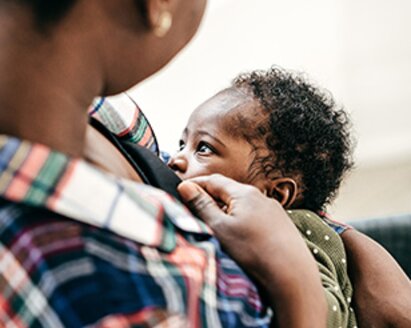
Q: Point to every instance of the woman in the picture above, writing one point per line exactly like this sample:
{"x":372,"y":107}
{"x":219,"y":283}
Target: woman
{"x":82,"y":247}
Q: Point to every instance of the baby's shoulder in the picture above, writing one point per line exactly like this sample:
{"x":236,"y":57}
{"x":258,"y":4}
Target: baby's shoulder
{"x":326,"y":245}
{"x":323,"y":239}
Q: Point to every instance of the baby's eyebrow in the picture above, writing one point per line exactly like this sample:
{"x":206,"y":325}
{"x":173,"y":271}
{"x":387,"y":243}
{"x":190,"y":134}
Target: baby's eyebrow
{"x":201,"y":132}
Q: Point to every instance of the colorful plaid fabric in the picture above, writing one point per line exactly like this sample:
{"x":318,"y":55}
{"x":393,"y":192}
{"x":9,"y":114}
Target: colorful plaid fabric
{"x":122,"y":116}
{"x":81,"y":248}
{"x":128,"y":256}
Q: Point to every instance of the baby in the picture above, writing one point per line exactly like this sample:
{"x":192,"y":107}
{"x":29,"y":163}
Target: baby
{"x":276,"y":131}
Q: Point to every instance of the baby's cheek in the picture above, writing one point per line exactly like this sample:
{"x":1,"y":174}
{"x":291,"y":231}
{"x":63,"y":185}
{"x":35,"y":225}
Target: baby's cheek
{"x":235,"y":172}
{"x":200,"y":170}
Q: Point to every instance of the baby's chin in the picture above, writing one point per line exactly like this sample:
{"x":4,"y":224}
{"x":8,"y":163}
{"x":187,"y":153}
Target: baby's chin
{"x":182,"y":176}
{"x":185,"y":176}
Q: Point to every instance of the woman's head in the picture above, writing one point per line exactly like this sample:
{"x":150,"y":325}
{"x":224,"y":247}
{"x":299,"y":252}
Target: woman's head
{"x":291,"y":139}
{"x":130,"y":39}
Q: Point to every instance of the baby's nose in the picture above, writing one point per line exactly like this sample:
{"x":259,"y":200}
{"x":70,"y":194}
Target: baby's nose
{"x":177,"y":163}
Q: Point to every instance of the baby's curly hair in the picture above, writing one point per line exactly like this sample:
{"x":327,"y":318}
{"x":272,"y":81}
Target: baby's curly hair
{"x":307,"y":134}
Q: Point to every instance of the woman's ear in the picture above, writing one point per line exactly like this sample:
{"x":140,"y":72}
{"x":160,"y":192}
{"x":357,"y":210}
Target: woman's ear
{"x":284,"y":190}
{"x":159,"y":17}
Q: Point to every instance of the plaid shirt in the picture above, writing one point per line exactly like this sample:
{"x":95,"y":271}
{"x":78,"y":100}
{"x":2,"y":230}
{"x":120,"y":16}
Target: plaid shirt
{"x":82,"y":248}
{"x":122,"y":116}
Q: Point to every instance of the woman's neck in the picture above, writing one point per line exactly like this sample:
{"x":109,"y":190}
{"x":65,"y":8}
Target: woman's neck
{"x":46,"y":86}
{"x":46,"y":118}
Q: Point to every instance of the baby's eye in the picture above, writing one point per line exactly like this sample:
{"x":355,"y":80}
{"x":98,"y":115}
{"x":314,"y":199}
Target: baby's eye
{"x":204,"y":148}
{"x":181,"y":145}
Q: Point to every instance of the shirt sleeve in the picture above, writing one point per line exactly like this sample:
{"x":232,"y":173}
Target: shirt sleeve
{"x":328,"y":250}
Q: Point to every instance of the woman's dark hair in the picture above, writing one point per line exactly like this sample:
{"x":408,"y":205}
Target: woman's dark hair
{"x":306,"y":133}
{"x":48,"y":12}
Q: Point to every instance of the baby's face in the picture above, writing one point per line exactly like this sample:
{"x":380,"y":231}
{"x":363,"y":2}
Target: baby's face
{"x":209,"y":144}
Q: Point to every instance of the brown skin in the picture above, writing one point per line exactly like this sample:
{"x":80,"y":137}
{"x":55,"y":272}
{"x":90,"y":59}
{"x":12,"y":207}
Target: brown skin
{"x":77,"y":49}
{"x":208,"y":145}
{"x":382,"y":291}
{"x":48,"y":80}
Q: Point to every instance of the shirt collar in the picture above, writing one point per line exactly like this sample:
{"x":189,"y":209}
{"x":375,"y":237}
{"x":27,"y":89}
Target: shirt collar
{"x":122,"y":116}
{"x":35,"y":175}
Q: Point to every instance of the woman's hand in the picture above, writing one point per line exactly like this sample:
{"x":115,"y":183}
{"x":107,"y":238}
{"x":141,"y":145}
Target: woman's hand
{"x":257,"y":233}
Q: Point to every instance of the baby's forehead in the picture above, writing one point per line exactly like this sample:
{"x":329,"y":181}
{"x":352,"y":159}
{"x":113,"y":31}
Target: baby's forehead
{"x":245,"y":117}
{"x":229,"y":109}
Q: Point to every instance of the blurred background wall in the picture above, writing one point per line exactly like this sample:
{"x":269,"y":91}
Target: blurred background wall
{"x":358,"y":49}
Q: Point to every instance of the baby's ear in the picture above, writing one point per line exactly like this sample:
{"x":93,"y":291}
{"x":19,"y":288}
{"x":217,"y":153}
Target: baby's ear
{"x":284,"y":190}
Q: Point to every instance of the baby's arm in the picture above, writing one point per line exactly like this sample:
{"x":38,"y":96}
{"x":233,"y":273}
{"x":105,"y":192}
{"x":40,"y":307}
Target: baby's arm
{"x":382,"y":291}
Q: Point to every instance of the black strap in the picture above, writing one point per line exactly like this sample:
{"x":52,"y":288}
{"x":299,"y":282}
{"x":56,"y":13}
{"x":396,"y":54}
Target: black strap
{"x":149,"y":166}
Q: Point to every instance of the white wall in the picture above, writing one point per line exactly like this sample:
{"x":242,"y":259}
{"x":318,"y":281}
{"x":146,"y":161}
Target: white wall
{"x":376,"y":70}
{"x":239,"y":35}
{"x":360,"y":50}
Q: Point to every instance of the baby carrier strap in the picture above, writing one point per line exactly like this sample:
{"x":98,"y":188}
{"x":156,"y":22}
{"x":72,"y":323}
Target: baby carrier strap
{"x":148,"y":165}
